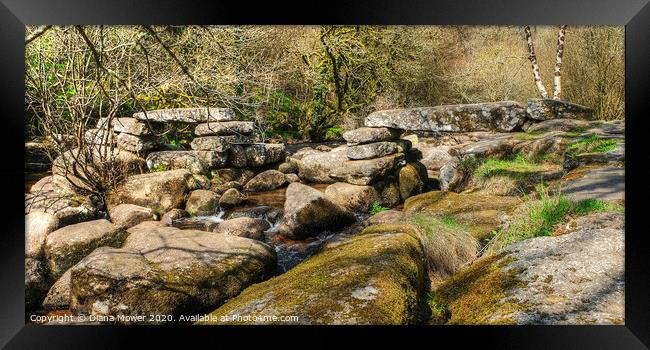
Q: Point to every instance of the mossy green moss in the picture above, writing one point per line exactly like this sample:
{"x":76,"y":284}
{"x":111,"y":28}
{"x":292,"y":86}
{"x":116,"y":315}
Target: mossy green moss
{"x":475,"y":295}
{"x":375,"y":277}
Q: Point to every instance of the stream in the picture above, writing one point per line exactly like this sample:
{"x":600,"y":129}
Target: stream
{"x":263,"y":205}
{"x":268,"y":206}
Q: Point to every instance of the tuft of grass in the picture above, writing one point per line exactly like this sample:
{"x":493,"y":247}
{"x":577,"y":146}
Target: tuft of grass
{"x":594,"y":205}
{"x":376,"y":208}
{"x":550,"y":210}
{"x":448,"y":244}
{"x":542,"y":215}
{"x":513,"y":164}
{"x":593,"y":143}
{"x":539,"y":218}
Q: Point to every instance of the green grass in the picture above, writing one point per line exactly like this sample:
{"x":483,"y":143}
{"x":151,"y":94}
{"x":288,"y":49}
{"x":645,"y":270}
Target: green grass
{"x":542,"y":215}
{"x":550,"y":211}
{"x":514,"y":164}
{"x":575,"y":132}
{"x":593,"y":143}
{"x":594,"y":205}
{"x":539,"y":218}
{"x":376,"y":208}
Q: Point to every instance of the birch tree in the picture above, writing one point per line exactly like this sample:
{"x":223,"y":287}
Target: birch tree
{"x":533,"y":61}
{"x":557,"y":76}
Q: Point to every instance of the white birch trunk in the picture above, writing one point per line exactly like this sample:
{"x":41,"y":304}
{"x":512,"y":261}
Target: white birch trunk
{"x":533,"y":62}
{"x":557,"y":77}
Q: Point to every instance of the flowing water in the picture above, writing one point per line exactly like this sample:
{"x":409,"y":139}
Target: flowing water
{"x":267,"y":206}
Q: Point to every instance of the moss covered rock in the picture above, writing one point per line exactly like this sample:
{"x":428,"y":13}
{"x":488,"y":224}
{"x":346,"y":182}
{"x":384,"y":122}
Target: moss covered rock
{"x":576,"y":278}
{"x":375,"y":277}
{"x":413,"y":179}
{"x":483,"y":213}
{"x":167,"y":271}
{"x":389,"y":192}
{"x":68,"y":245}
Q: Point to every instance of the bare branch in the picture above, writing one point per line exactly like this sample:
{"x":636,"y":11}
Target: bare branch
{"x":37,"y":33}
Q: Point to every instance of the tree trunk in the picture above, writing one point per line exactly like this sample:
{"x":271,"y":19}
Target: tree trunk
{"x":557,"y":77}
{"x":533,"y":62}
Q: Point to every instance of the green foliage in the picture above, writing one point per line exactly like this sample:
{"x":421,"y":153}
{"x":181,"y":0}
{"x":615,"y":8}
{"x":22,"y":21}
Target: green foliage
{"x":349,"y":70}
{"x":593,"y":143}
{"x":376,"y":208}
{"x":178,"y":134}
{"x":334,"y":133}
{"x":439,"y":312}
{"x":303,"y":81}
{"x":160,"y":167}
{"x":451,"y":222}
{"x":283,"y":117}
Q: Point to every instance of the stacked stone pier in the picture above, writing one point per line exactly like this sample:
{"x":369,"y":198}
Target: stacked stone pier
{"x":220,"y":140}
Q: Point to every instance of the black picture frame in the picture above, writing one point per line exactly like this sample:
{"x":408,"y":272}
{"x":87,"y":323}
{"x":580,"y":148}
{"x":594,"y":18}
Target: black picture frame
{"x":633,"y":14}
